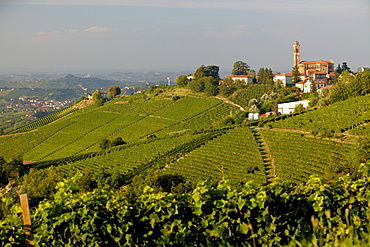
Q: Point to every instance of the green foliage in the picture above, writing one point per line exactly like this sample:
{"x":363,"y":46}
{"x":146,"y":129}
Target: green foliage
{"x":175,"y":98}
{"x":40,"y":184}
{"x":210,"y":89}
{"x":265,"y":76}
{"x":182,"y":80}
{"x":338,"y":117}
{"x":97,"y":98}
{"x":44,"y":120}
{"x":225,"y":214}
{"x":113,"y":91}
{"x":10,"y":171}
{"x":196,"y":85}
{"x":209,"y":71}
{"x":299,"y":108}
{"x":105,"y":143}
{"x":296,"y":76}
{"x":252,"y":91}
{"x":240,"y":68}
{"x":348,"y":86}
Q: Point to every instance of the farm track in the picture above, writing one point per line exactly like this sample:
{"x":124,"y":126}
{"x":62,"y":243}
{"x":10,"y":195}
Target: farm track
{"x":268,"y":161}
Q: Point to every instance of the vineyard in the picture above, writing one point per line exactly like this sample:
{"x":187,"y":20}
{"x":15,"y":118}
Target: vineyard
{"x":225,"y":158}
{"x":187,"y":136}
{"x":291,"y":180}
{"x":125,"y":159}
{"x":45,"y":120}
{"x":129,"y":119}
{"x":253,"y":91}
{"x":336,"y":118}
{"x":280,"y":214}
{"x":296,"y":157}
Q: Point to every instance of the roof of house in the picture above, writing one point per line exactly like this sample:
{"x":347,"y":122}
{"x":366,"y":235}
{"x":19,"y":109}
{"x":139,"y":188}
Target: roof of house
{"x":285,"y":74}
{"x":328,"y":86}
{"x":318,"y":61}
{"x":316,"y":82}
{"x":302,"y":82}
{"x":239,"y":76}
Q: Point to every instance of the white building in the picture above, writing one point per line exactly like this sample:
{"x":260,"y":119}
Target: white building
{"x":286,"y":108}
{"x":245,"y":78}
{"x":286,"y":79}
{"x":305,"y":86}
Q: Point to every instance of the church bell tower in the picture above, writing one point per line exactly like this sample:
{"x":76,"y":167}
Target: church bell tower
{"x":296,"y":53}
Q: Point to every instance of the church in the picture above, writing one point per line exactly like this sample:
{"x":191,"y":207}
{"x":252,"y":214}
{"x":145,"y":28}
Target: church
{"x":313,"y":70}
{"x":320,"y":72}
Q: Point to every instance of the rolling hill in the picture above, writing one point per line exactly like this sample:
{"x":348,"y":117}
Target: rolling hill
{"x":189,"y":136}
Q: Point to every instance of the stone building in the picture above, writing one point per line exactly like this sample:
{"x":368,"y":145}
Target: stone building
{"x":313,"y":70}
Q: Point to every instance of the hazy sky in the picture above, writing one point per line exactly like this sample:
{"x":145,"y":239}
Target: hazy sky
{"x":124,"y":35}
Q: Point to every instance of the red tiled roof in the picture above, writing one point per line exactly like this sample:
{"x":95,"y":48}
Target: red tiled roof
{"x":318,"y":61}
{"x":301,"y":82}
{"x":240,"y":76}
{"x":285,"y":74}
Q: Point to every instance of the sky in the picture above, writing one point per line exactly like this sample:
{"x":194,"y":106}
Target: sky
{"x":169,"y":35}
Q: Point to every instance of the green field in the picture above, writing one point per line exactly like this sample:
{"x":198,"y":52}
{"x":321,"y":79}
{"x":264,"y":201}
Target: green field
{"x":188,"y":137}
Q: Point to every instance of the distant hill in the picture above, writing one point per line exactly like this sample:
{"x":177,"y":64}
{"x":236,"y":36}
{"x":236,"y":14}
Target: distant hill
{"x":194,"y":136}
{"x":68,"y":81}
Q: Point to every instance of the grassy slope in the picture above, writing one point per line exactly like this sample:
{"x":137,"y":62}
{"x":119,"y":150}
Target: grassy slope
{"x":239,"y":153}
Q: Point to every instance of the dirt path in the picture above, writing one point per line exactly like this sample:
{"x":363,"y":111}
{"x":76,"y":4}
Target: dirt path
{"x":268,"y":160}
{"x":230,"y":102}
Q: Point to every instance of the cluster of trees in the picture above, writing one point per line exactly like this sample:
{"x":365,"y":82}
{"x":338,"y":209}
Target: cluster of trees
{"x":105,"y":143}
{"x":10,"y":171}
{"x":346,"y":86}
{"x":206,"y":79}
{"x":113,"y":92}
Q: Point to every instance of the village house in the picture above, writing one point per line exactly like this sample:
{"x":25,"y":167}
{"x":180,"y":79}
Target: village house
{"x":244,"y":78}
{"x":286,"y":79}
{"x":306,"y":85}
{"x":287,"y":108}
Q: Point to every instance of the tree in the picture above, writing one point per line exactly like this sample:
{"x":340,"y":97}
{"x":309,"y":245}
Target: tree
{"x":298,"y":108}
{"x":204,"y":71}
{"x":196,"y":85}
{"x":182,"y":80}
{"x":97,"y":98}
{"x":345,"y":67}
{"x":114,"y":91}
{"x":240,"y":68}
{"x":40,"y":184}
{"x":313,"y":88}
{"x":210,"y":89}
{"x":339,"y":69}
{"x":296,"y":76}
{"x":265,"y":76}
{"x":225,"y":91}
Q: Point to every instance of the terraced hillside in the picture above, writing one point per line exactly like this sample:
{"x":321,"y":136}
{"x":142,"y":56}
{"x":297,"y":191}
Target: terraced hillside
{"x":187,"y":136}
{"x":336,"y":118}
{"x":131,"y":119}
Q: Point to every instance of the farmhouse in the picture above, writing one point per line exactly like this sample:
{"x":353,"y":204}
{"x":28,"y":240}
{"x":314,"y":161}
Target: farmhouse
{"x":245,"y":78}
{"x":286,"y":108}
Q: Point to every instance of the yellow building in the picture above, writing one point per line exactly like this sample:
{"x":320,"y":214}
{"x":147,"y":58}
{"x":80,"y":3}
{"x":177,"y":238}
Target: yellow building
{"x":314,"y":70}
